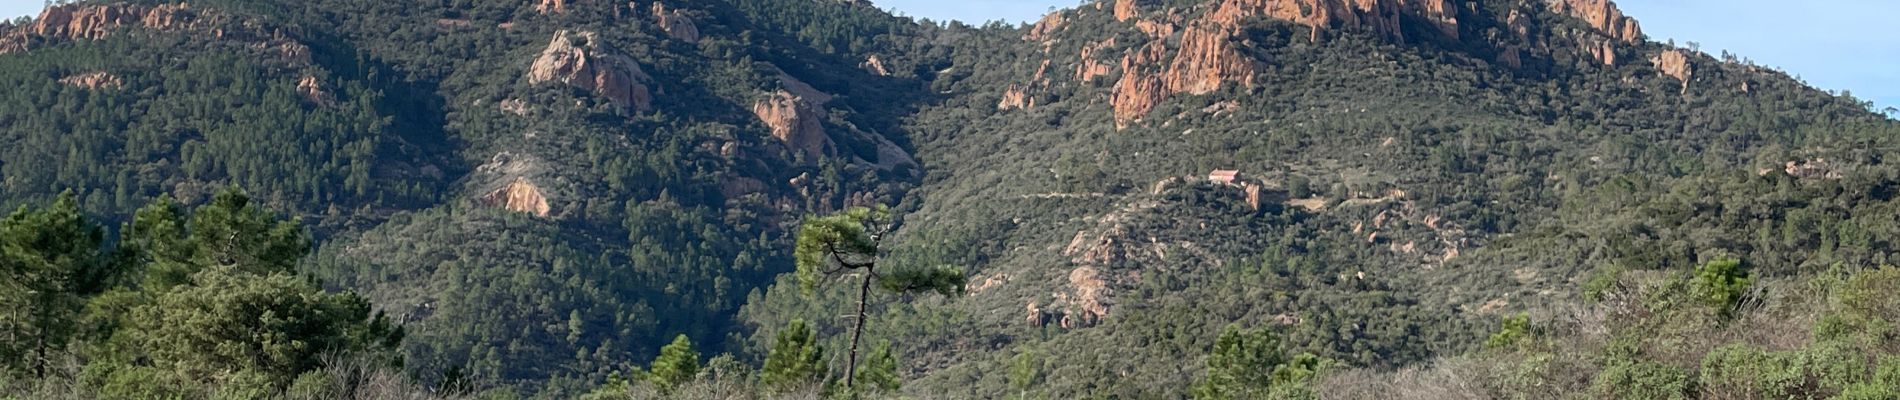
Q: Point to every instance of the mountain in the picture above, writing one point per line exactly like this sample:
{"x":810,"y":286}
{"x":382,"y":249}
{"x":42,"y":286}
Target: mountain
{"x":543,"y":193}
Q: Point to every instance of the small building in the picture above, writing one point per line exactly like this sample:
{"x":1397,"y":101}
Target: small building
{"x":1224,"y":176}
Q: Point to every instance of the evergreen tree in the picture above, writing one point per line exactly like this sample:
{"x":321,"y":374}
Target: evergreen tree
{"x":678,"y":363}
{"x":50,"y":261}
{"x":848,"y":243}
{"x":795,"y":359}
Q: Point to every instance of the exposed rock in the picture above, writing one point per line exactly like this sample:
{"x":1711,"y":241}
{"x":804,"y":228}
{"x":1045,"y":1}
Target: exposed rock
{"x":552,"y":6}
{"x":1812,"y":169}
{"x":795,"y":121}
{"x":312,"y":90}
{"x":1675,"y":64}
{"x":1381,"y":16}
{"x":676,"y":23}
{"x":514,"y":106}
{"x":592,"y":65}
{"x":1207,"y":60}
{"x":1046,"y":27}
{"x":1087,"y":296}
{"x":96,"y":21}
{"x":1125,"y":10}
{"x":1155,"y":29}
{"x":1091,"y":66}
{"x":875,"y":65}
{"x":93,"y":80}
{"x":1140,"y":88}
{"x":1603,"y":16}
{"x":519,"y":196}
{"x":1015,"y":98}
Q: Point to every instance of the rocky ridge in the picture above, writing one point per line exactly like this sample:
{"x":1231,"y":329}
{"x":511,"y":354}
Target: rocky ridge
{"x":579,"y":59}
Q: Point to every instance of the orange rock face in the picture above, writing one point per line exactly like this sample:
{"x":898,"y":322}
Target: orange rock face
{"x":1382,"y":16}
{"x":875,"y":65}
{"x":796,"y":121}
{"x":1015,"y":98}
{"x":551,"y":6}
{"x":1675,"y":63}
{"x":676,"y":23}
{"x":1046,"y":27}
{"x":1125,"y":10}
{"x":312,"y":90}
{"x":1207,"y":60}
{"x":592,"y":66}
{"x":1091,"y":66}
{"x":94,"y":22}
{"x":1141,"y":87}
{"x":93,"y":80}
{"x":519,"y":196}
{"x":1603,"y":16}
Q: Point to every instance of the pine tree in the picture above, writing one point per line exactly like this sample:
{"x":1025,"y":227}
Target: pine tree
{"x":795,"y":359}
{"x":678,"y":363}
{"x":848,"y":243}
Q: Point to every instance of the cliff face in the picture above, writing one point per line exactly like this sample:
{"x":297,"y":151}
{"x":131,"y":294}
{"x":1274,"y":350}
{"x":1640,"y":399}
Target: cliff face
{"x":1603,"y":16}
{"x":1382,"y":16}
{"x":94,"y":22}
{"x":594,"y":67}
{"x":796,"y":121}
{"x":1675,"y":63}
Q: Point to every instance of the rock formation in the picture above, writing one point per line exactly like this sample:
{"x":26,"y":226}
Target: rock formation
{"x":312,"y":90}
{"x":1125,"y":10}
{"x":93,"y":80}
{"x":551,"y":6}
{"x":591,"y":65}
{"x":1603,"y":16}
{"x":1675,"y":63}
{"x":1091,"y":66}
{"x":795,"y":114}
{"x":875,"y":66}
{"x":1015,"y":98}
{"x":1046,"y":27}
{"x":519,"y":196}
{"x":676,"y":23}
{"x":1141,"y":87}
{"x":1381,"y":16}
{"x":1207,"y":60}
{"x":94,"y":22}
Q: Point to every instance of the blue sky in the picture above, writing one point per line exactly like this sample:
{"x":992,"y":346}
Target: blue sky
{"x":1847,"y":45}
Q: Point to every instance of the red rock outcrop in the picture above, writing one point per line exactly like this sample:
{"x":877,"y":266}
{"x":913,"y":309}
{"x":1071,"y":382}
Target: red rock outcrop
{"x":552,"y":6}
{"x":1675,"y":63}
{"x":1382,"y":16}
{"x":1015,"y":98}
{"x":312,"y":90}
{"x":1091,"y":66}
{"x":1126,"y":9}
{"x":591,"y":65}
{"x":519,"y":196}
{"x":796,"y":121}
{"x":1155,"y":29}
{"x":96,"y":21}
{"x":1206,"y":60}
{"x":93,"y":80}
{"x":1141,"y":87}
{"x":875,"y":65}
{"x":1046,"y":27}
{"x":676,"y":23}
{"x":1603,"y":16}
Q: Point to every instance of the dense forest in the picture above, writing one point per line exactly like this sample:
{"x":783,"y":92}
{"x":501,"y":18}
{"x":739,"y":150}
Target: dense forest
{"x":1210,"y":199}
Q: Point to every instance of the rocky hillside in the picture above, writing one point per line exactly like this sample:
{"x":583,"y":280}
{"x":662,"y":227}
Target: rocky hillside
{"x":543,"y":192}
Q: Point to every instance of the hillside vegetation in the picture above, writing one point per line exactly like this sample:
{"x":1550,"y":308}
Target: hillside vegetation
{"x":1219,"y":199}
